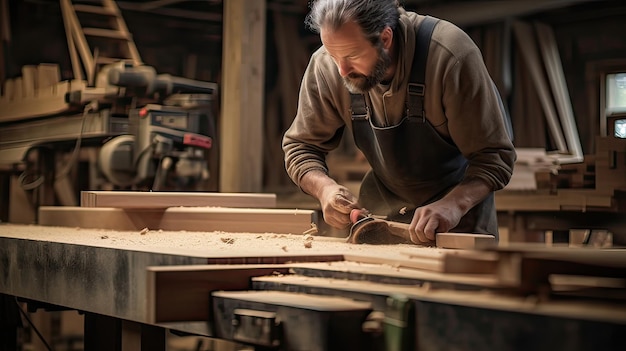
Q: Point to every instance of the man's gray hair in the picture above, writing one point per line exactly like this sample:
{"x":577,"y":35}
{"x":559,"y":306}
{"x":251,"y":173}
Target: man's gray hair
{"x":371,"y":15}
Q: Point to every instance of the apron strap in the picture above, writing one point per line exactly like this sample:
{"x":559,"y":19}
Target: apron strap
{"x":358,"y":107}
{"x":417,"y":83}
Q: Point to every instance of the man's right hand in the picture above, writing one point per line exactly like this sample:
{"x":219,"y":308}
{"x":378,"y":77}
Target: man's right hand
{"x":337,"y":203}
{"x":336,"y":200}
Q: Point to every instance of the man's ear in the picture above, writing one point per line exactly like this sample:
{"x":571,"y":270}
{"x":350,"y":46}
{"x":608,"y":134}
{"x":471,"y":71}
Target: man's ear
{"x":386,"y":36}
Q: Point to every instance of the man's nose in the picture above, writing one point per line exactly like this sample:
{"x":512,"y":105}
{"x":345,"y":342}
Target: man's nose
{"x":345,"y":68}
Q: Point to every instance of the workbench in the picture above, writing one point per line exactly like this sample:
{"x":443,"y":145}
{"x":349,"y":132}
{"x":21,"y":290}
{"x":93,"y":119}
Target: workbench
{"x":310,"y":293}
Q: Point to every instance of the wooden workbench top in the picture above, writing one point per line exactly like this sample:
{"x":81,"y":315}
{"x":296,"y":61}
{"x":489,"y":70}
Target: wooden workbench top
{"x":204,"y":244}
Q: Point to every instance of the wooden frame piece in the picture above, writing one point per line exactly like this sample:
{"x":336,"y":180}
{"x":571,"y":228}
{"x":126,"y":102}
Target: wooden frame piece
{"x":182,"y":293}
{"x":161,"y":199}
{"x":204,"y":219}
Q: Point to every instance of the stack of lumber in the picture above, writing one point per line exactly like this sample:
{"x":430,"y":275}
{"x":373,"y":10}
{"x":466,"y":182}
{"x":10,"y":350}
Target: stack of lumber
{"x":36,"y":93}
{"x":500,"y":274}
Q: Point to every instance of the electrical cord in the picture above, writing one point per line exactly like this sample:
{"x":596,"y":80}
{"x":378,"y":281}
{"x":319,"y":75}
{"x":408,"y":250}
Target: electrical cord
{"x":25,"y":315}
{"x":91,"y":107}
{"x":24,"y":176}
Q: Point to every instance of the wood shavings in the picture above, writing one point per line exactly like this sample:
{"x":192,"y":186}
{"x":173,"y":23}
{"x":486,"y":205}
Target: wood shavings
{"x":312,"y":230}
{"x":284,"y":248}
{"x":228,"y":240}
{"x":144,"y":231}
{"x":308,"y":241}
{"x":104,"y":237}
{"x":402,"y":210}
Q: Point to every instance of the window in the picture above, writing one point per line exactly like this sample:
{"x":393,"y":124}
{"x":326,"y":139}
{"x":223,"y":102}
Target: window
{"x":613,"y":122}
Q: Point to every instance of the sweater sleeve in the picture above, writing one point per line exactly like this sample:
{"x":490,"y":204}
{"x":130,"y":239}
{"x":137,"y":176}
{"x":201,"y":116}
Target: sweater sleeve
{"x":476,"y":120}
{"x":317,"y":127}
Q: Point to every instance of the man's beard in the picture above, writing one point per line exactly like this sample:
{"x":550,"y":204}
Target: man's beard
{"x":359,"y":83}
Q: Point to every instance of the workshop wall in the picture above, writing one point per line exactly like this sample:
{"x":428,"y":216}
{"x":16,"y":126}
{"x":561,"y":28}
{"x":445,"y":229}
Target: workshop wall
{"x":591,"y":38}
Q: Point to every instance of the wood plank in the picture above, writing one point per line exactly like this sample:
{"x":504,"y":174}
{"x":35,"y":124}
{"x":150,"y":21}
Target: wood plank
{"x":556,"y":78}
{"x":182,"y":293}
{"x":528,"y":48}
{"x":429,"y":264}
{"x":206,"y":219}
{"x":156,"y":199}
{"x":464,"y":240}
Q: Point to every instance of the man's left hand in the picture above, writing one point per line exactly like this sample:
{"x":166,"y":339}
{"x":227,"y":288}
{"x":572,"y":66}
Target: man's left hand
{"x":437,"y":217}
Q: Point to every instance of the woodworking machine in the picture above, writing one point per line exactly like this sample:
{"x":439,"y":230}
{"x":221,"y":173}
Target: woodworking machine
{"x":148,"y":127}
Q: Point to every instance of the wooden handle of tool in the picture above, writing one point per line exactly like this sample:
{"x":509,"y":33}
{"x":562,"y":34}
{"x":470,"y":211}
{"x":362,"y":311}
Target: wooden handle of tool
{"x":402,"y":230}
{"x":399,"y":229}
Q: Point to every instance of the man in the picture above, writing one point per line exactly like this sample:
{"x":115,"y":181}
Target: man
{"x":436,"y":157}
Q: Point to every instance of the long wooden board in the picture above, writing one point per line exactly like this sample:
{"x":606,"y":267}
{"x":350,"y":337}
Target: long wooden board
{"x":161,"y":199}
{"x":206,"y":219}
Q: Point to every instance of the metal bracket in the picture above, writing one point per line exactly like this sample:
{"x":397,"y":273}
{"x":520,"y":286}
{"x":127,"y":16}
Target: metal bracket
{"x":259,"y":328}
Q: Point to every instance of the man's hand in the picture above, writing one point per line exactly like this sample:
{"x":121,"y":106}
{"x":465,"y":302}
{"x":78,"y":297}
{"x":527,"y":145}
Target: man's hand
{"x":337,"y":202}
{"x":443,"y":215}
{"x":437,"y":217}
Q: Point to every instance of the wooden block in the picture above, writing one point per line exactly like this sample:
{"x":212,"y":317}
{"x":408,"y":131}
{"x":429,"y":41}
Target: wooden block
{"x":156,"y":199}
{"x":182,"y":293}
{"x":8,"y":93}
{"x":464,"y":240}
{"x":29,"y":81}
{"x":204,"y":219}
{"x":470,"y":262}
{"x":18,"y":88}
{"x":48,"y":74}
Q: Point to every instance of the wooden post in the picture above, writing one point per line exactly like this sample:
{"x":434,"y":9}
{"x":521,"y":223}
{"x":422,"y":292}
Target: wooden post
{"x":241,"y":120}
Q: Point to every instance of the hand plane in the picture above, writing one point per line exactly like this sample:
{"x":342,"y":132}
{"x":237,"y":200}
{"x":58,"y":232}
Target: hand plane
{"x":368,"y":229}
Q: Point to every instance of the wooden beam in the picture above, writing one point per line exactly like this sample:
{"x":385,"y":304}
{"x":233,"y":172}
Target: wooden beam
{"x":156,"y":199}
{"x":204,"y":219}
{"x":241,"y":121}
{"x":181,"y":293}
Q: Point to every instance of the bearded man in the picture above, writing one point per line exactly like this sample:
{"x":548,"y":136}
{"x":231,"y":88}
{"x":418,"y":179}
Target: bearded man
{"x":416,"y":96}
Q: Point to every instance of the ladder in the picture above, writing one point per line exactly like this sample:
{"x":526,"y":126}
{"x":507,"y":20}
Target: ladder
{"x":101,"y":21}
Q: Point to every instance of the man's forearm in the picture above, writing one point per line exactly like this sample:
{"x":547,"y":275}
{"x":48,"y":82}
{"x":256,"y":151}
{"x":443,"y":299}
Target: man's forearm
{"x":468,"y":194}
{"x":314,"y":181}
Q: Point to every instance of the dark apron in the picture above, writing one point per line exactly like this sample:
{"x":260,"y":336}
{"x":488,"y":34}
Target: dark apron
{"x":413,"y":165}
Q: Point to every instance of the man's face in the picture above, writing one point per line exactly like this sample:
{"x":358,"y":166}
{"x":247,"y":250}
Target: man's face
{"x":361,"y":64}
